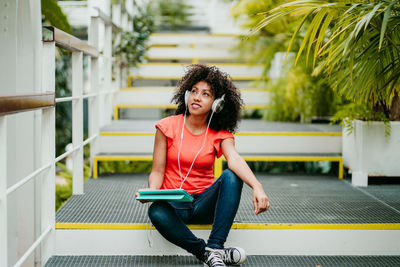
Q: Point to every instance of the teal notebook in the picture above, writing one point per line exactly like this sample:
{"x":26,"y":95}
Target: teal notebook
{"x":176,"y":195}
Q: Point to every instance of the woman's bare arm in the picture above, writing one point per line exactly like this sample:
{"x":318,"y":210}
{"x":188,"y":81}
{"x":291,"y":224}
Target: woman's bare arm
{"x":239,"y":166}
{"x":156,"y":176}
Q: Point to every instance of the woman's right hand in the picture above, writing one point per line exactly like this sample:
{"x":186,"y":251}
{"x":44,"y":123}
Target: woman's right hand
{"x":142,"y":200}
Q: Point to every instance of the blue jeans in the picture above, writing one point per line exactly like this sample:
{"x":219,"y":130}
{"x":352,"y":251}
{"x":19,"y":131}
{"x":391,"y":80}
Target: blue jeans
{"x":218,"y":205}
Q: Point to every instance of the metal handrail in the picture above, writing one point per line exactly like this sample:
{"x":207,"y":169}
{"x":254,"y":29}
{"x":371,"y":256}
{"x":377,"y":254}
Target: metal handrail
{"x":22,"y":103}
{"x":67,"y":99}
{"x":84,"y":143}
{"x":47,"y":102}
{"x":27,"y":179}
{"x":34,"y":246}
{"x":71,"y":43}
{"x":70,"y":98}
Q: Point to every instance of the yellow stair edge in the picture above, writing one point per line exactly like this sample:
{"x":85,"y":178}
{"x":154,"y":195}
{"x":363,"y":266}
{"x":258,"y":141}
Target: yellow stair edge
{"x":241,"y":133}
{"x":119,"y":106}
{"x":218,"y":167}
{"x":244,"y":226}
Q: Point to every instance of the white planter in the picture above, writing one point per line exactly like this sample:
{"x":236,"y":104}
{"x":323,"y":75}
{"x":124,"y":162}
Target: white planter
{"x":367,"y":152}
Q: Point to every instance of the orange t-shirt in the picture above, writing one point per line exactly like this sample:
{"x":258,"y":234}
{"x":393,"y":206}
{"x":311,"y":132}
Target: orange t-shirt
{"x":202,"y":174}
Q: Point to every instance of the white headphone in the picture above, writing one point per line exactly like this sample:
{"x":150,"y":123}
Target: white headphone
{"x":217,"y":105}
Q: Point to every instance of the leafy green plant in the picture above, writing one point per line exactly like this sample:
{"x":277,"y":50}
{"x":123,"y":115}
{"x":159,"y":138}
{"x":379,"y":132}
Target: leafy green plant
{"x":133,"y":44}
{"x":125,"y":167}
{"x":260,"y":46}
{"x":356,"y":44}
{"x":63,"y":109}
{"x":173,"y":14}
{"x":54,"y":16}
{"x":64,"y":191}
{"x":296,"y":95}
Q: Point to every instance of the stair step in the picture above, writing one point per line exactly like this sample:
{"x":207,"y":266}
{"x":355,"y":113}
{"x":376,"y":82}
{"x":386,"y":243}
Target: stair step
{"x":295,"y":199}
{"x":196,"y":54}
{"x":246,"y":126}
{"x":175,"y":71}
{"x":309,"y":215}
{"x":160,"y":98}
{"x":254,"y":261}
{"x":189,"y":40}
{"x":218,"y":165}
{"x":253,"y":137}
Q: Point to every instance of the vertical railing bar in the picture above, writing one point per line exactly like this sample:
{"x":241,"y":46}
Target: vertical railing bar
{"x":47,"y":237}
{"x":38,"y":190}
{"x":48,"y":147}
{"x":77,"y":122}
{"x":94,"y":103}
{"x":107,"y":72}
{"x":3,"y":194}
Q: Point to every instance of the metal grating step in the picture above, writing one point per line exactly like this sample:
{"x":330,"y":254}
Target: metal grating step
{"x":254,"y":261}
{"x":295,"y":199}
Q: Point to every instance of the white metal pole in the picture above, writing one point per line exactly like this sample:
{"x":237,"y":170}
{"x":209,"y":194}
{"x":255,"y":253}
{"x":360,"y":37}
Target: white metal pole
{"x":116,"y":14}
{"x":124,"y":21}
{"x":77,"y":122}
{"x":118,"y":69}
{"x":48,"y":147}
{"x":3,"y":193}
{"x":94,"y":102}
{"x":108,"y":72}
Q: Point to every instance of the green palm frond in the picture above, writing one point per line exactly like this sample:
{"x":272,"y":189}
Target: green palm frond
{"x":356,"y":44}
{"x":53,"y":14}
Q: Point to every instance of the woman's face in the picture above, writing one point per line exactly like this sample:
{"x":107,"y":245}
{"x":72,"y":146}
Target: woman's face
{"x":201,"y":99}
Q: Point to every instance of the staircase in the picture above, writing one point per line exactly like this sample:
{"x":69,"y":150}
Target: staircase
{"x":314,"y":220}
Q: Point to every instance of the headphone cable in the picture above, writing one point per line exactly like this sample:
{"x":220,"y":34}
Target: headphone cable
{"x":198,"y":152}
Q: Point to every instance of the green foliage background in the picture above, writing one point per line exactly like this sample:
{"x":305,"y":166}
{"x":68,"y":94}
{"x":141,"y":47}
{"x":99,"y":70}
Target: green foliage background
{"x":52,"y":13}
{"x":355,"y":45}
{"x":296,"y":96}
{"x":171,"y":14}
{"x":133,"y":44}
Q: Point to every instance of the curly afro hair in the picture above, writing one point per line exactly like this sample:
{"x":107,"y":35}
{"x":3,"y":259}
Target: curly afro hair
{"x":220,"y":83}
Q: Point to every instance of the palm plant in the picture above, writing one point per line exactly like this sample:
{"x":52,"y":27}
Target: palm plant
{"x":53,"y":15}
{"x":356,"y":44}
{"x":296,"y":95}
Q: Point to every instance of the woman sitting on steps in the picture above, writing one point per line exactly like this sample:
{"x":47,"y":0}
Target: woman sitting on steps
{"x":184,"y":152}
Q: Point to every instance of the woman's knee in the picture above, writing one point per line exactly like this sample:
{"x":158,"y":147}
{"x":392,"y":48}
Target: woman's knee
{"x":229,"y":177}
{"x":158,"y":211}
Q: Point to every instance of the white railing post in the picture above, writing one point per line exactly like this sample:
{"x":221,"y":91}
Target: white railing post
{"x":117,"y":19}
{"x":48,"y":140}
{"x":94,"y":102}
{"x":124,"y":21}
{"x":107,"y":58}
{"x":77,"y":122}
{"x":3,"y":193}
{"x":116,"y":14}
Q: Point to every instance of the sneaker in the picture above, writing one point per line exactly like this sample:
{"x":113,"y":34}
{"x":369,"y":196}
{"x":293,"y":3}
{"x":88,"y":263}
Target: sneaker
{"x":213,"y":258}
{"x":230,"y":256}
{"x":233,"y":256}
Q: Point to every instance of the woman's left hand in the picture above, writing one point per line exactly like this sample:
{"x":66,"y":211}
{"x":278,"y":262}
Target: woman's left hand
{"x":260,"y":200}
